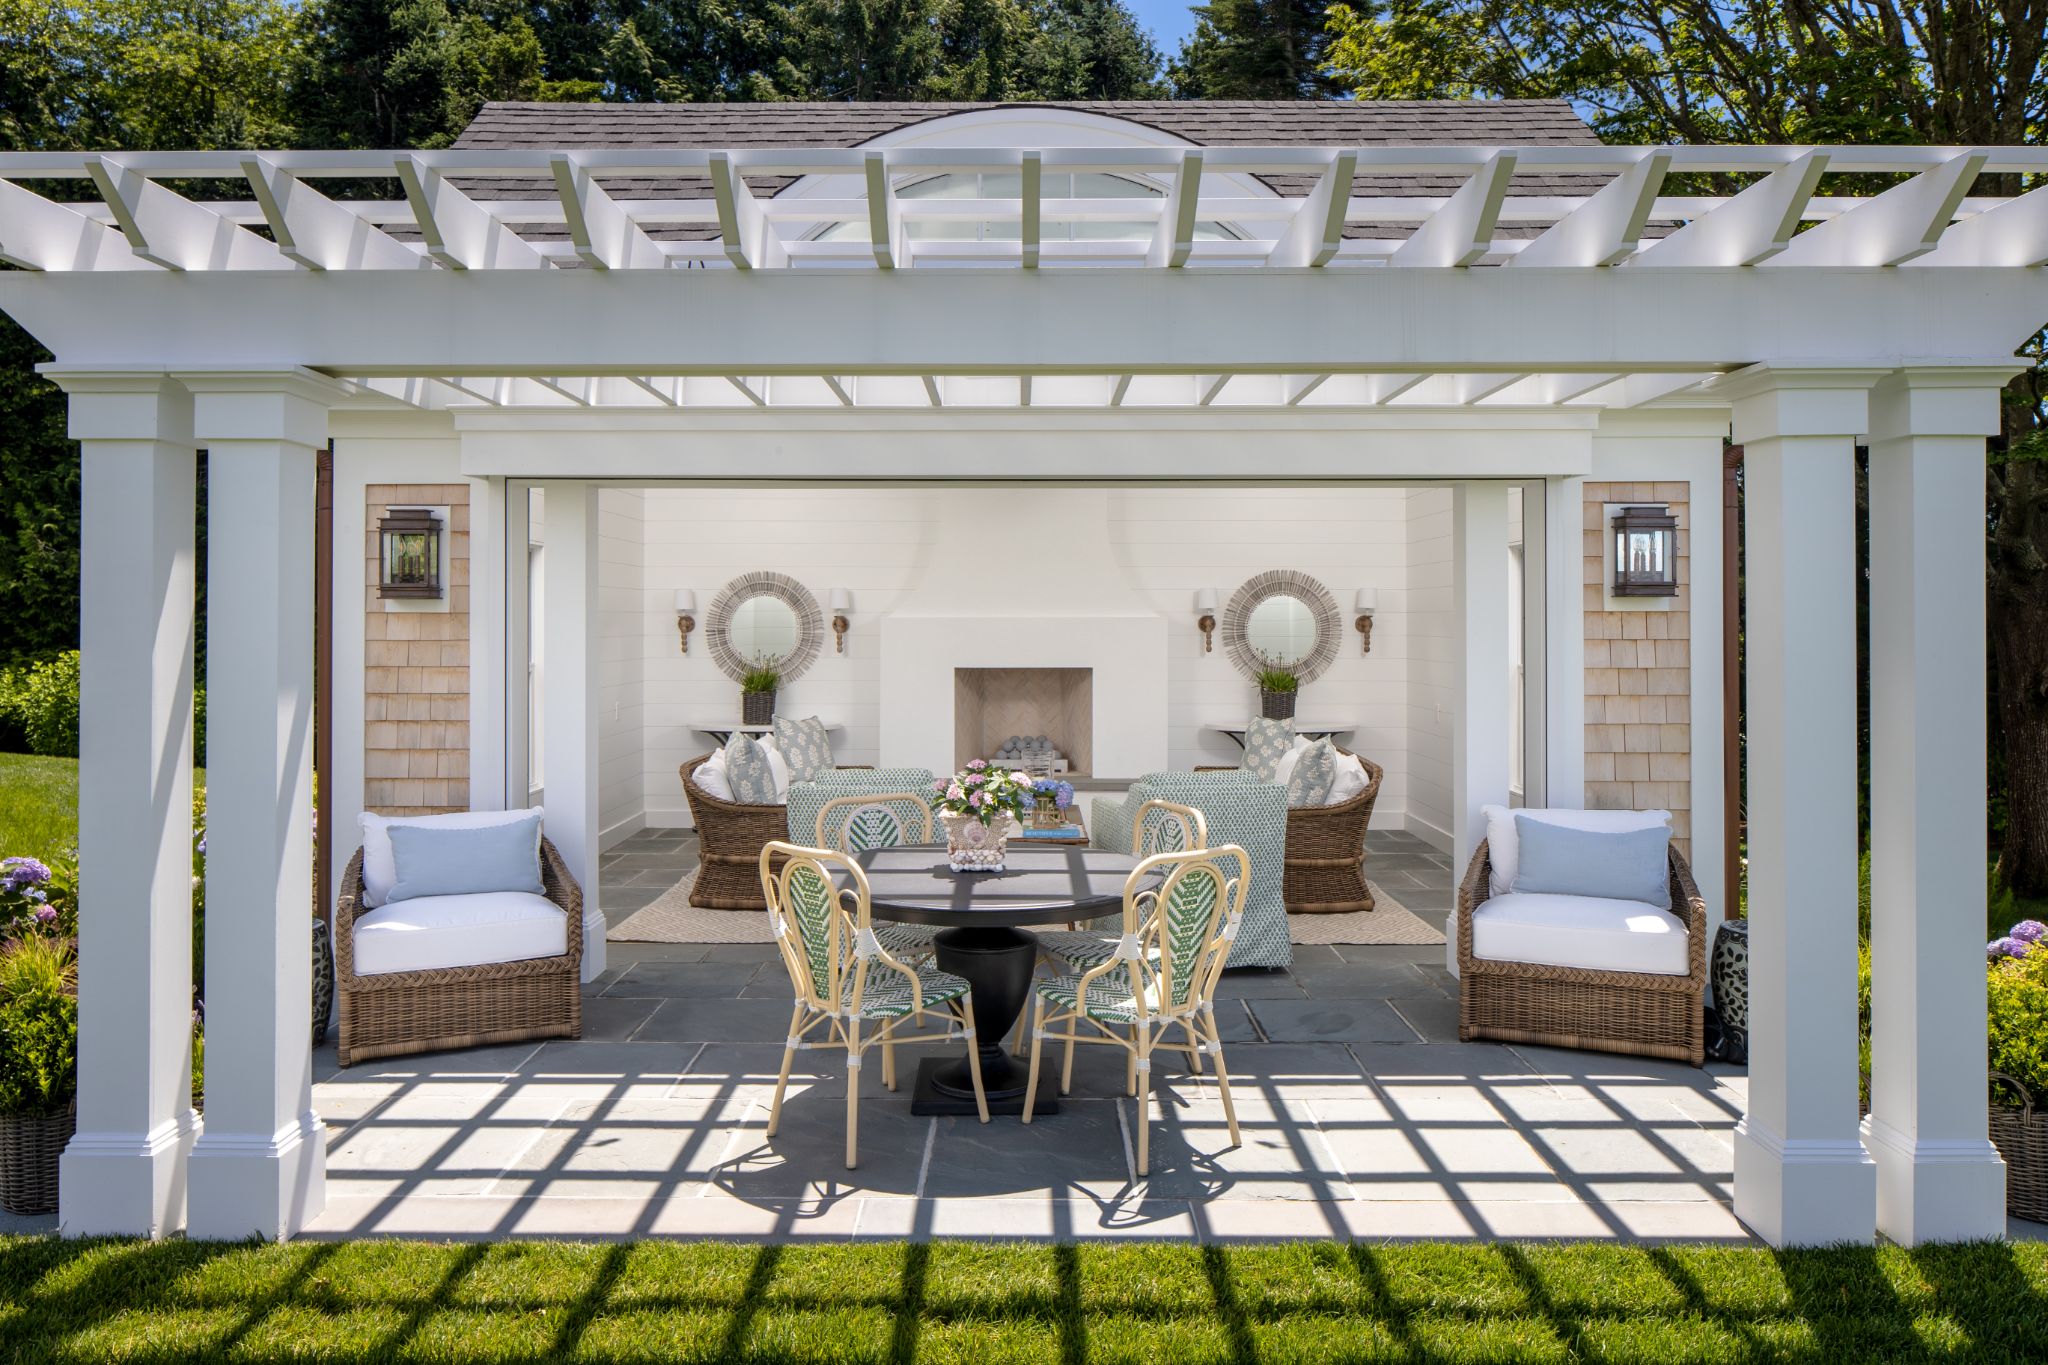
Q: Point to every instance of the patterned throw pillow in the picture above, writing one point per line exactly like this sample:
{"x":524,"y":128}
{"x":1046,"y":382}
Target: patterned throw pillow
{"x":1265,"y":743}
{"x":1309,"y":785}
{"x":748,"y":772}
{"x":804,"y":747}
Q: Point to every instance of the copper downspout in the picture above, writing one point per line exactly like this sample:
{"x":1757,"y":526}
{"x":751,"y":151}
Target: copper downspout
{"x":1731,"y":673}
{"x":323,"y":681}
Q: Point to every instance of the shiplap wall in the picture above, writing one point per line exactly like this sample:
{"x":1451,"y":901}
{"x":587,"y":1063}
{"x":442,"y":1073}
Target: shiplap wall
{"x":875,"y":543}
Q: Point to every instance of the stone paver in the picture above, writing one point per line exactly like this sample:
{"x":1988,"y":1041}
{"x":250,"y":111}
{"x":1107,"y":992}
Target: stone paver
{"x":1361,"y":1116}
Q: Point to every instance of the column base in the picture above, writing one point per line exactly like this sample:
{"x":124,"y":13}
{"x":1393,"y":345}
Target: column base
{"x":594,"y":929}
{"x":126,"y":1184}
{"x":253,"y":1185}
{"x":1936,"y":1189}
{"x":1805,"y":1192}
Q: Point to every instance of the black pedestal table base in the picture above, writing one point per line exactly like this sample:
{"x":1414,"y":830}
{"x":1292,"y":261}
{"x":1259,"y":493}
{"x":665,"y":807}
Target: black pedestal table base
{"x":997,"y":962}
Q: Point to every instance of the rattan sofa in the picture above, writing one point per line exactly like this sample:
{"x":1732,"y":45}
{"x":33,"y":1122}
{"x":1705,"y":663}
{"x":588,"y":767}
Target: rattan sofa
{"x":1645,"y":1014}
{"x":730,"y":837}
{"x":396,"y":1014}
{"x":1325,"y":859}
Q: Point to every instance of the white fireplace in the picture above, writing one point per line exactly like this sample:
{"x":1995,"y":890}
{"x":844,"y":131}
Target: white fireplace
{"x":986,"y":611}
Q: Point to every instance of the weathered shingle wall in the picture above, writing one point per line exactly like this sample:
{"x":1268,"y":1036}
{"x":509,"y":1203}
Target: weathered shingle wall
{"x":416,"y":670}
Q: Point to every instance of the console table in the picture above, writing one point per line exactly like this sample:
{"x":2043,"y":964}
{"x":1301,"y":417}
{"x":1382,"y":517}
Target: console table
{"x":1302,"y":728}
{"x":722,"y":731}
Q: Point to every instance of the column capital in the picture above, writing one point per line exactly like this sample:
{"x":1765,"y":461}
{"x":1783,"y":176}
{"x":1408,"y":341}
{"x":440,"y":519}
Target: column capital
{"x":1941,"y":400}
{"x":1776,"y":400}
{"x":122,"y":404}
{"x":288,"y":403}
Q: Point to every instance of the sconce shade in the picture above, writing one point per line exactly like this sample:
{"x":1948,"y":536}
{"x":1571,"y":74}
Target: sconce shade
{"x":1645,"y":552}
{"x":412,"y":553}
{"x":842,"y":602}
{"x":686,"y":602}
{"x":1205,"y":601}
{"x":1368,"y":601}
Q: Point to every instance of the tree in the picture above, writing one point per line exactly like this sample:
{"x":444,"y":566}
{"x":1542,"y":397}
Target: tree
{"x":1957,"y":73}
{"x":1255,"y":50}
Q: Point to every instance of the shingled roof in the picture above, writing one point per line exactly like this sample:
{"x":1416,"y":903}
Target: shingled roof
{"x":508,"y":125}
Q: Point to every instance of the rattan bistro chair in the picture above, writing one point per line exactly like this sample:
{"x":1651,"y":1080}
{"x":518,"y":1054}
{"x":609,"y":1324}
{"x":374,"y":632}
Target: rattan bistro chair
{"x":1175,"y":941}
{"x":1158,"y":827}
{"x":1645,"y":1014}
{"x":396,"y":1014}
{"x":853,"y":824}
{"x":844,"y":978}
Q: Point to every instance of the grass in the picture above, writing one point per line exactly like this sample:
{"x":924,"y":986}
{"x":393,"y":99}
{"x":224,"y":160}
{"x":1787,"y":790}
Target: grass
{"x":38,"y":805}
{"x":649,"y":1301}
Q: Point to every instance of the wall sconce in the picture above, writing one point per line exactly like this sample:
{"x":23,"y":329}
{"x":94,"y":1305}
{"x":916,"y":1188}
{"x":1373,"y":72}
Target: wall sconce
{"x":686,"y":616}
{"x":1367,"y":603}
{"x":842,"y":607}
{"x":1645,"y":552}
{"x":1205,"y":616}
{"x":412,"y":553}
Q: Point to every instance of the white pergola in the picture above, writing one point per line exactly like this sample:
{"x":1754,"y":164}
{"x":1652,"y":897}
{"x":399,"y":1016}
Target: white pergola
{"x":1813,"y":322}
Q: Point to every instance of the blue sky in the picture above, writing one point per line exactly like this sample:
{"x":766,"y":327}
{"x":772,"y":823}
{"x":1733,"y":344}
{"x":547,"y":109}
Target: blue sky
{"x":1169,"y":21}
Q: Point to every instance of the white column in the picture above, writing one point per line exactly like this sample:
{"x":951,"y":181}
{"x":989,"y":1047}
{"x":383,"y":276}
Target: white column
{"x":1564,"y":642}
{"x":569,"y":660}
{"x":490,"y":676}
{"x":259,"y":1168}
{"x":1938,"y":1176}
{"x":1479,"y":736}
{"x":1802,"y":1176}
{"x":124,"y":1171}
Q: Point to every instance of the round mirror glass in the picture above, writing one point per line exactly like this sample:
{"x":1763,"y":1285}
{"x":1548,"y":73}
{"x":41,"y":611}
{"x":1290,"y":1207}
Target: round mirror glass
{"x":763,"y":629}
{"x":1281,"y":630}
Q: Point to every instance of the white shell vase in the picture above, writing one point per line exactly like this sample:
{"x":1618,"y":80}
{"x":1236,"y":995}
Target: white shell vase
{"x":972,"y":846}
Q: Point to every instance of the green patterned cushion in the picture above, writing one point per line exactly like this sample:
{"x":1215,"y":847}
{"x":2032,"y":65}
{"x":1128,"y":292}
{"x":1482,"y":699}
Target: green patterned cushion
{"x":1314,"y":772}
{"x":887,"y":994}
{"x":806,"y":799}
{"x":1266,"y":742}
{"x":805,"y":747}
{"x":748,"y":773}
{"x":1109,"y":997}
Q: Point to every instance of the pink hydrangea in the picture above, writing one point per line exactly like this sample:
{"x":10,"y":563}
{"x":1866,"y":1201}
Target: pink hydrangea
{"x":976,"y":764}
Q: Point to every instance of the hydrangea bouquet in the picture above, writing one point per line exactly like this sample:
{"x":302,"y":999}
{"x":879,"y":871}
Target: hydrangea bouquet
{"x":982,"y":792}
{"x":2019,"y":941}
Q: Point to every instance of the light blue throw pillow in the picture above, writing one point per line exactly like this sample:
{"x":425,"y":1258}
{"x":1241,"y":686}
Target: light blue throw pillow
{"x":1266,"y":742}
{"x":464,"y":862}
{"x":1314,"y":773}
{"x":805,"y":747}
{"x":748,"y":773}
{"x":1628,"y":865}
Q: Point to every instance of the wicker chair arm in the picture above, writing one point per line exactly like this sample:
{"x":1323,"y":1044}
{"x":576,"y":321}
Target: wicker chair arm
{"x":1472,"y":893}
{"x":1686,"y":892}
{"x":348,"y":906}
{"x":560,"y":887}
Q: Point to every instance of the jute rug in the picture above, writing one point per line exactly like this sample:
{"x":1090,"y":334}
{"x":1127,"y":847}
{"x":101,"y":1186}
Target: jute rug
{"x":672,"y":919}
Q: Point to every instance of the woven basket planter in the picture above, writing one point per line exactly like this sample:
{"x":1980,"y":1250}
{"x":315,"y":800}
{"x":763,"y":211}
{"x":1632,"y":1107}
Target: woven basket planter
{"x":1277,"y":705}
{"x":29,"y":1148}
{"x":757,"y":708}
{"x":2021,"y":1136}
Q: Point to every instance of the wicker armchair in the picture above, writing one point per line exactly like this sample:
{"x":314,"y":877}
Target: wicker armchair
{"x":1645,"y":1014}
{"x":1325,"y":859}
{"x":396,"y":1014}
{"x":730,"y":837}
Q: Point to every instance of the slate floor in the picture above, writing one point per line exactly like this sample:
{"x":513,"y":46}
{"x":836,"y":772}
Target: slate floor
{"x":1362,"y":1116}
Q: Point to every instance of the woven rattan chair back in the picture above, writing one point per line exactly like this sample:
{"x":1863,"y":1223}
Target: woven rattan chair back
{"x":817,"y":924}
{"x":1163,"y":827}
{"x":1184,"y":927}
{"x":853,"y":824}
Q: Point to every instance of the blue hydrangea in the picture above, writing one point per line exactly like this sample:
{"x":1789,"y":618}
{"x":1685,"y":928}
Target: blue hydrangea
{"x":2028,"y":931}
{"x":2006,"y":947}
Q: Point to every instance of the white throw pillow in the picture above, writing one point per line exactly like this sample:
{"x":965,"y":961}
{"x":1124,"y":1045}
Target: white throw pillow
{"x":1285,"y":768}
{"x":380,"y":869}
{"x":778,"y":765}
{"x":710,"y":777}
{"x":1349,"y":782}
{"x":1503,"y":850}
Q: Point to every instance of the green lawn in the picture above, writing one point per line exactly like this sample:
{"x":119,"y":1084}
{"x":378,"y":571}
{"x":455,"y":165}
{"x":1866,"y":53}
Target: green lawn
{"x":650,"y":1301}
{"x":38,"y":805}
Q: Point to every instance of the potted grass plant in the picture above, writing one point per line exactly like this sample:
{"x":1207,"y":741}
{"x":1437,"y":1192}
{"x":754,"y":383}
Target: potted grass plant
{"x":757,"y":694}
{"x":1278,"y":688}
{"x":2017,"y":1015}
{"x":38,"y":1067}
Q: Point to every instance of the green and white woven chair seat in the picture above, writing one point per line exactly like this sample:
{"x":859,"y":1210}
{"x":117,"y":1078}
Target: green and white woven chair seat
{"x":1078,"y":948}
{"x":905,"y":941}
{"x":888,"y":994}
{"x":1109,"y":997}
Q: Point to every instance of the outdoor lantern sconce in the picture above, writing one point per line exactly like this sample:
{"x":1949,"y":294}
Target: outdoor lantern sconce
{"x":412,"y":553}
{"x":686,"y":616}
{"x":842,"y":607}
{"x":1645,"y":552}
{"x":1367,"y":603}
{"x":1205,"y":616}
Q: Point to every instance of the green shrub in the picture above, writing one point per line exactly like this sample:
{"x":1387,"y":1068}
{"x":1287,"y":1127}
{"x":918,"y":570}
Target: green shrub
{"x":38,"y":1053}
{"x":2017,"y":991}
{"x":40,"y":703}
{"x":34,"y":965}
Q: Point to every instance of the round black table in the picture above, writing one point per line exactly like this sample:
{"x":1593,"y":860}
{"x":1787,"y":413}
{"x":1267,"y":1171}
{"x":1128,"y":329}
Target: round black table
{"x":984,"y":939}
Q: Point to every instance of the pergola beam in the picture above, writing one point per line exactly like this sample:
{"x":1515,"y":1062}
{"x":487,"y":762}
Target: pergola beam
{"x":1029,"y":227}
{"x":750,"y":243}
{"x":170,"y":230}
{"x":1174,"y":239}
{"x":1903,"y":222}
{"x":1754,"y":226}
{"x":1460,"y":233}
{"x":1316,"y":232}
{"x":605,"y":237}
{"x":885,"y":224}
{"x":317,"y":233}
{"x":1604,"y":229}
{"x":458,"y":232}
{"x":40,"y":234}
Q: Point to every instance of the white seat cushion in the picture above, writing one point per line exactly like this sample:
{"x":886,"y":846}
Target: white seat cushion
{"x":1579,"y":931}
{"x":432,"y":932}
